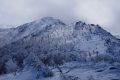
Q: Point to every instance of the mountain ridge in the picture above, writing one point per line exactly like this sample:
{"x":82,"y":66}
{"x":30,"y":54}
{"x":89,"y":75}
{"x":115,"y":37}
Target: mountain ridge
{"x":51,"y":42}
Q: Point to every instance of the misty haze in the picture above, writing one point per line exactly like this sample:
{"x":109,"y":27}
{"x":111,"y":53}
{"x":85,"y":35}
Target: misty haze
{"x":59,"y":40}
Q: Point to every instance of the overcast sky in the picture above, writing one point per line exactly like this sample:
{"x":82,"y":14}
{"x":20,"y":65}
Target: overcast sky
{"x":103,"y":12}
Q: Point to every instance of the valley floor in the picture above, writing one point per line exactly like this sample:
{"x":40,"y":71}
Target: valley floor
{"x":73,"y":71}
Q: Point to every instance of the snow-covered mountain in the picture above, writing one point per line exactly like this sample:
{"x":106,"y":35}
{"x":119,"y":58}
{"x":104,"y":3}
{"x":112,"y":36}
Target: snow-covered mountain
{"x":50,"y":42}
{"x":5,"y":34}
{"x":118,"y":36}
{"x":3,"y":26}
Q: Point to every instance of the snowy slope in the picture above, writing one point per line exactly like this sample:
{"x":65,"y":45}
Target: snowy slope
{"x":118,"y":36}
{"x":51,"y":42}
{"x":77,"y":71}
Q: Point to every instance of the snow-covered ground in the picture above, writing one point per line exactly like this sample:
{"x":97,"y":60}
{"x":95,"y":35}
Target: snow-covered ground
{"x":25,"y":75}
{"x":75,"y":71}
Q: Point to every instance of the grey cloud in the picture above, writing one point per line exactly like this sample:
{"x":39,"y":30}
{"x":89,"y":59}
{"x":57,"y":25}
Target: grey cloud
{"x":17,"y":12}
